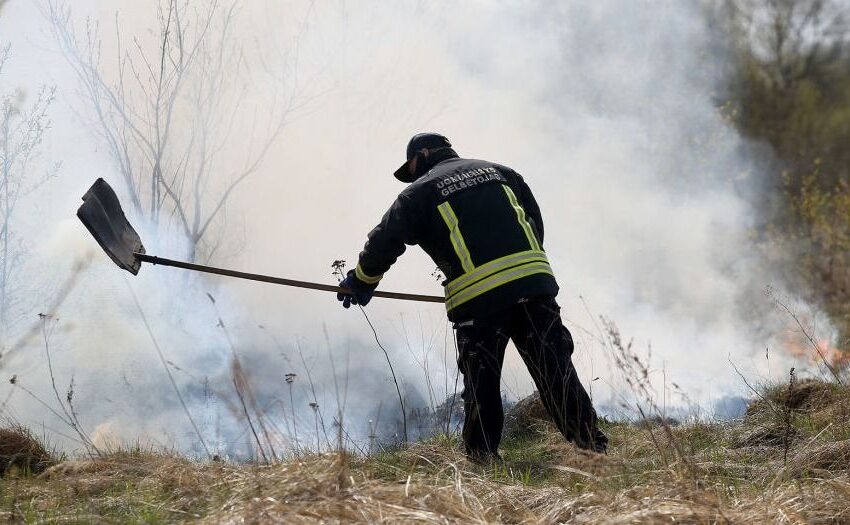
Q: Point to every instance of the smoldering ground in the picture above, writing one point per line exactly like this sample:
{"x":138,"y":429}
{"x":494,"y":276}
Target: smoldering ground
{"x":610,"y":111}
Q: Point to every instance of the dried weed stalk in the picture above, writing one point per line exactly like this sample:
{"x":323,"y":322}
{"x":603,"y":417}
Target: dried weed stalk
{"x":636,"y":375}
{"x":787,"y":417}
{"x":339,"y":271}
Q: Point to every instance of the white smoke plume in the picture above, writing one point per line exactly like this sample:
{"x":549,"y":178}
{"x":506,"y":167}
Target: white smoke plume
{"x":608,"y":109}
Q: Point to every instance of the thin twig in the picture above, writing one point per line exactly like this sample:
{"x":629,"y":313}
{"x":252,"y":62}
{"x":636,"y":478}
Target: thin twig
{"x":338,"y":267}
{"x":392,"y":371}
{"x":71,"y":418}
{"x":248,"y":417}
{"x":313,"y":392}
{"x":167,"y":369}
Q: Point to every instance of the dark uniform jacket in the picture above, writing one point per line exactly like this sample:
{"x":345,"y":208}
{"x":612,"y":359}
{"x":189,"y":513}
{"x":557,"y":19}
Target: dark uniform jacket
{"x":480,"y":224}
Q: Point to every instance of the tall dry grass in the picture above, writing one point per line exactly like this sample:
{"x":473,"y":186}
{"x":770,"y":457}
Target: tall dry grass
{"x":737,"y":473}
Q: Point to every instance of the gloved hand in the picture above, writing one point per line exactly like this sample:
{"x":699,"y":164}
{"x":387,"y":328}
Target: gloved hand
{"x":361,"y":293}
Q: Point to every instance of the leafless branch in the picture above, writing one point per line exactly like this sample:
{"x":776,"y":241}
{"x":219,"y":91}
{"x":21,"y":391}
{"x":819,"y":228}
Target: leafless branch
{"x":22,"y":129}
{"x":195,"y":73}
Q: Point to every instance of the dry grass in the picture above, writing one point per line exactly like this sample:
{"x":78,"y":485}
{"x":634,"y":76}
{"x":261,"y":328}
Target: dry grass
{"x":542,"y":480}
{"x":20,"y":450}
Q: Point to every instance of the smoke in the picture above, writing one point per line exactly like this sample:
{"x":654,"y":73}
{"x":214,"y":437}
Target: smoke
{"x":609,"y":111}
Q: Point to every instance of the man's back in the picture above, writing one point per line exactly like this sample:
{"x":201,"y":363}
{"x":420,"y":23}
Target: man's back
{"x":482,"y":227}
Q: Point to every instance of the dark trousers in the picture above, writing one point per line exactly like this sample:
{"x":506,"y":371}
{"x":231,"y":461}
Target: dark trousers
{"x":546,"y":347}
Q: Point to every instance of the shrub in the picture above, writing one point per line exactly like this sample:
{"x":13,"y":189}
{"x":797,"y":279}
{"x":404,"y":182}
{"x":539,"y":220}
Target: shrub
{"x":20,"y":449}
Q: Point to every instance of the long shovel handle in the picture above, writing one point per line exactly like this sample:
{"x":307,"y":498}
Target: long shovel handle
{"x":153,"y":259}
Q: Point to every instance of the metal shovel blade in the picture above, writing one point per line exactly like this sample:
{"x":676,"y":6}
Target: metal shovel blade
{"x":102,"y":215}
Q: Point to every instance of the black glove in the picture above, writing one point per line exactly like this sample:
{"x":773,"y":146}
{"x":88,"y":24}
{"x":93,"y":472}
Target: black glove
{"x":360,"y":292}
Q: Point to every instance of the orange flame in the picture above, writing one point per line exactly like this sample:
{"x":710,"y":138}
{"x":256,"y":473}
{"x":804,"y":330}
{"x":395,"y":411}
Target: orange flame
{"x":817,"y":352}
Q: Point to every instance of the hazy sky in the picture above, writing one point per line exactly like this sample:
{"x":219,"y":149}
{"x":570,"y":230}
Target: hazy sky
{"x":605,"y":107}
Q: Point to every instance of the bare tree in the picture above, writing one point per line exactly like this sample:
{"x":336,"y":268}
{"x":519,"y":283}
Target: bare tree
{"x":22,"y":129}
{"x":174,"y":113}
{"x":789,"y":37}
{"x":787,"y":82}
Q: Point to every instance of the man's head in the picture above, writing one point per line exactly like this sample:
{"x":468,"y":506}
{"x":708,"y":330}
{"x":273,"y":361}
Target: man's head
{"x":419,"y":147}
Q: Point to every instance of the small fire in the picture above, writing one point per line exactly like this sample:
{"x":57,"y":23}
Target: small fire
{"x":816,"y":352}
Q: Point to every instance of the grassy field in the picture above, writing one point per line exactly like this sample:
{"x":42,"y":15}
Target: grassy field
{"x":787,"y":461}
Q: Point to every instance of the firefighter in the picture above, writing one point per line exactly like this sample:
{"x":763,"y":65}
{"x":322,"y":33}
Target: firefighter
{"x":481,"y":225}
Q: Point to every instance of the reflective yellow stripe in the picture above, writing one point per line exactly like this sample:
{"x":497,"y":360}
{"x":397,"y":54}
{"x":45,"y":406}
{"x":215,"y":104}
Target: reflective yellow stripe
{"x":520,"y":215}
{"x":496,"y":280}
{"x":494,"y":266}
{"x":457,"y":239}
{"x":368,"y":279}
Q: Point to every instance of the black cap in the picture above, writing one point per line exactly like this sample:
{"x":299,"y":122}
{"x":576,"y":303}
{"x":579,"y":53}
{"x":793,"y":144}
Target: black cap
{"x":418,"y":142}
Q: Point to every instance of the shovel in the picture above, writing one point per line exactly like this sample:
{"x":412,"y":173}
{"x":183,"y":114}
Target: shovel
{"x":101,"y":213}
